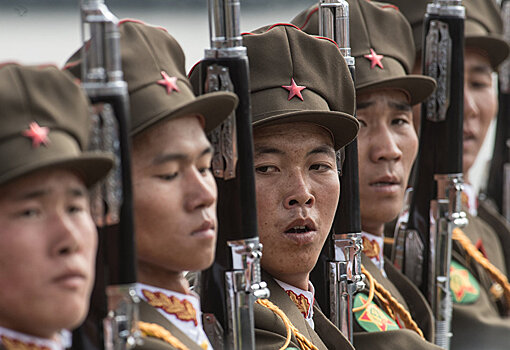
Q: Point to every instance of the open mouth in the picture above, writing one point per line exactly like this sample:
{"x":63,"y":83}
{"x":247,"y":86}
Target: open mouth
{"x":384,"y":183}
{"x":299,"y":229}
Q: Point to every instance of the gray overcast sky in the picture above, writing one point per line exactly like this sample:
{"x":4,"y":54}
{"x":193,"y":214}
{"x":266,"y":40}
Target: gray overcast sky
{"x":35,"y":31}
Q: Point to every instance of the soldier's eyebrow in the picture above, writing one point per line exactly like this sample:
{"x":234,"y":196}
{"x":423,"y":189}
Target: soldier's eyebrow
{"x":207,"y":151}
{"x":324,"y":149}
{"x":267,"y":150}
{"x":366,"y":104}
{"x":481,"y":69}
{"x":400,"y":106}
{"x":77,"y":192}
{"x":38,"y":193}
{"x":170,"y":157}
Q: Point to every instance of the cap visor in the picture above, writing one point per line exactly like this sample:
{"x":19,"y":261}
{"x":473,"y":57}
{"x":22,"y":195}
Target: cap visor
{"x":418,"y":87}
{"x":496,"y":48}
{"x":214,"y":106}
{"x":90,"y":166}
{"x":342,"y":126}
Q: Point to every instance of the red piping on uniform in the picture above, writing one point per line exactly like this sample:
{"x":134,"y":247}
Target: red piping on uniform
{"x":283,"y":24}
{"x":192,"y":68}
{"x":328,"y":39}
{"x":309,"y":16}
{"x":390,"y":6}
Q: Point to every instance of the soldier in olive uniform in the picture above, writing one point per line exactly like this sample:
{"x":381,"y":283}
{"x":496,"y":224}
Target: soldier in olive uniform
{"x":174,"y":190}
{"x":388,"y":144}
{"x":302,"y":104}
{"x":48,"y":239}
{"x":480,"y":303}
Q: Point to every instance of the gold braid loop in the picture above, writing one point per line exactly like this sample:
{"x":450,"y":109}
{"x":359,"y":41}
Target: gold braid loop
{"x":304,"y":343}
{"x":371,"y":291}
{"x":156,"y":331}
{"x":390,"y":304}
{"x":474,"y":253}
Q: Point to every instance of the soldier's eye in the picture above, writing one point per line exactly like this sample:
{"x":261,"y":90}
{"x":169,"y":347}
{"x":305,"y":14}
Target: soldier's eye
{"x":265,"y":169}
{"x":320,"y":167}
{"x":167,"y":177}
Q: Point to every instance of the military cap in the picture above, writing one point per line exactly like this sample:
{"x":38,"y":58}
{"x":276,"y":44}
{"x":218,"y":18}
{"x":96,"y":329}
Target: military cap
{"x":382,"y":45}
{"x":295,"y":77}
{"x":483,"y":26}
{"x":154,"y":69}
{"x":45,"y":122}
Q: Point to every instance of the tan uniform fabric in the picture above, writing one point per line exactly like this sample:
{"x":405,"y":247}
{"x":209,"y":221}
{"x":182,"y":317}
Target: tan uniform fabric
{"x":151,"y":315}
{"x":270,"y":331}
{"x":488,"y":213}
{"x":402,"y":338}
{"x":480,"y":325}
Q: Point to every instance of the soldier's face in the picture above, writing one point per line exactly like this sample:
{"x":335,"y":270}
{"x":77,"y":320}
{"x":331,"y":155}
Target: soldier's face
{"x":480,"y":104}
{"x":47,"y":253}
{"x":174,"y":199}
{"x":387,"y":146}
{"x":297,"y":194}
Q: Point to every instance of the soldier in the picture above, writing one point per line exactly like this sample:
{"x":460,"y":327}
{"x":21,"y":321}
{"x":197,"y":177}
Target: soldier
{"x":478,"y":283}
{"x":388,"y":144}
{"x":49,"y":241}
{"x":174,"y":190}
{"x":302,"y":104}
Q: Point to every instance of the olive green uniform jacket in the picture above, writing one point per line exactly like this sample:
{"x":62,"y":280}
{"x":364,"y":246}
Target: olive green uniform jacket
{"x":402,"y":290}
{"x":151,"y":315}
{"x":480,"y":324}
{"x":270,"y":331}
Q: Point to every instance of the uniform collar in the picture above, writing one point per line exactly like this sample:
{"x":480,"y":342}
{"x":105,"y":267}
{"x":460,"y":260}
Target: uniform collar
{"x":303,"y":299}
{"x":470,"y":199}
{"x":182,"y":310}
{"x":13,"y":340}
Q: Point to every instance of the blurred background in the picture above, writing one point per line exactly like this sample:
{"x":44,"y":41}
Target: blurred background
{"x":35,"y":31}
{"x":48,"y":31}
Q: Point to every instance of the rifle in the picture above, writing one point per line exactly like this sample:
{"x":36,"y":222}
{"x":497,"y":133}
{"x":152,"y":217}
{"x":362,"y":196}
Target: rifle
{"x":112,"y":204}
{"x":423,"y":245}
{"x":339,"y":267}
{"x":498,"y":188}
{"x":225,"y":67}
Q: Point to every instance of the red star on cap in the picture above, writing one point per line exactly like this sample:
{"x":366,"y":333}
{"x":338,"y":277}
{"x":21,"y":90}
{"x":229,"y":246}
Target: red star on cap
{"x":38,"y":134}
{"x":169,"y":82}
{"x":375,"y":59}
{"x":294,"y":90}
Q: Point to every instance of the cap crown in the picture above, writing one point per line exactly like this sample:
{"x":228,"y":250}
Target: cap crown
{"x":283,"y":53}
{"x":154,"y":69}
{"x":382,"y":45}
{"x":483,"y":21}
{"x":45,"y":122}
{"x":30,"y":94}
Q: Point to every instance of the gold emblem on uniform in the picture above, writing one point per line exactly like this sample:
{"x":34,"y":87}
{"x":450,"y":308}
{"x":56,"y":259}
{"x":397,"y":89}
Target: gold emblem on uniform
{"x":302,"y":302}
{"x":182,"y":309}
{"x":15,"y":344}
{"x":371,"y":248}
